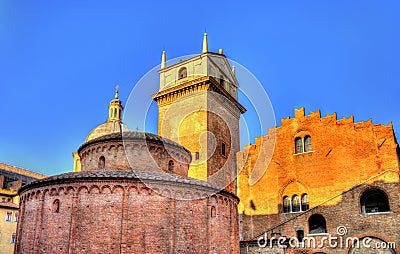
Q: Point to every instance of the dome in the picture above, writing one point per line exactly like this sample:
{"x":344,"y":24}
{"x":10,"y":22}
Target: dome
{"x":114,"y":122}
{"x":106,"y":129}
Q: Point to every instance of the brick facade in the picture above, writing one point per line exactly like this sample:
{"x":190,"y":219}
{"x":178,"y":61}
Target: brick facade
{"x":138,"y":209}
{"x":348,"y":213}
{"x":343,"y":160}
{"x":123,"y":150}
{"x":126,"y":211}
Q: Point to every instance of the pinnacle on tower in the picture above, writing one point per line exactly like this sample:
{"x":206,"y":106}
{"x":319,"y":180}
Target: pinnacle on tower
{"x":164,"y":59}
{"x":205,"y":44}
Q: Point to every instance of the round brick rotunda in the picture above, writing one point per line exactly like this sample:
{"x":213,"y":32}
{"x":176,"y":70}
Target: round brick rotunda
{"x":132,"y":195}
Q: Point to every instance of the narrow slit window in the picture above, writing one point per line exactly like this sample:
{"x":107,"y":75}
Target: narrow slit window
{"x":102,"y":162}
{"x":300,"y":235}
{"x":56,"y":206}
{"x":171,"y":166}
{"x":213,"y":212}
{"x":13,"y":238}
{"x":223,"y":149}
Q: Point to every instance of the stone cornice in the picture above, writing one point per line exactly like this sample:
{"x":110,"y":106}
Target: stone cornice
{"x":125,"y":177}
{"x":206,"y":83}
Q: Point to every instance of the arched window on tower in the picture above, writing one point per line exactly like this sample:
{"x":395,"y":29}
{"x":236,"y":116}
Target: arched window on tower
{"x":286,"y":204}
{"x":298,"y":145}
{"x":102,"y":162}
{"x":304,"y":202}
{"x":317,"y":224}
{"x":295,"y":203}
{"x":171,"y":166}
{"x":374,"y":201}
{"x":307,"y":144}
{"x":182,"y":73}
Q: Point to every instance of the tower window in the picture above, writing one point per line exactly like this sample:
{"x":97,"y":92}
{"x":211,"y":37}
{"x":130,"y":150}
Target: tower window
{"x":102,"y":162}
{"x":8,"y":216}
{"x":296,"y":203}
{"x":182,"y":73}
{"x":221,"y":79}
{"x":374,"y":201}
{"x":317,"y":224}
{"x":171,"y":166}
{"x":286,"y":204}
{"x":304,"y":202}
{"x":16,"y":217}
{"x":223,"y":149}
{"x":13,"y":238}
{"x":197,"y":155}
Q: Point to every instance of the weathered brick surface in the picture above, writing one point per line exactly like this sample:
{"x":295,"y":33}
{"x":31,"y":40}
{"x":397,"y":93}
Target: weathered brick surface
{"x":347,"y":212}
{"x":344,"y":154}
{"x":134,"y":150}
{"x":126,"y":212}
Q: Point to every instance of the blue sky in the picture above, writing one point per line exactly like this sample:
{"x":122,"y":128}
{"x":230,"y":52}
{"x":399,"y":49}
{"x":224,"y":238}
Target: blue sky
{"x":60,"y":61}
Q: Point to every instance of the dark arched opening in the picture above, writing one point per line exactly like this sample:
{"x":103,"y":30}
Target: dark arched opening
{"x":317,"y":224}
{"x":182,"y":73}
{"x":374,"y":201}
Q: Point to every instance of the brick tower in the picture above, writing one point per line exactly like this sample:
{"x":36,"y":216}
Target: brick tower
{"x":198,"y":108}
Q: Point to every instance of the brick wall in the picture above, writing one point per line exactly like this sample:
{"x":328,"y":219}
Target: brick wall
{"x":344,"y":154}
{"x":101,"y":215}
{"x":347,"y":212}
{"x":120,"y":152}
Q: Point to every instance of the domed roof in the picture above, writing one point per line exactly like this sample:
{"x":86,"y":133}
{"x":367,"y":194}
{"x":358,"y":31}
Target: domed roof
{"x":114,"y":122}
{"x":106,"y":129}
